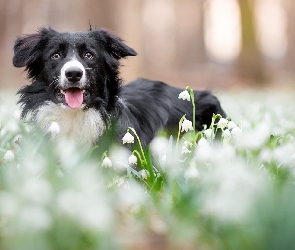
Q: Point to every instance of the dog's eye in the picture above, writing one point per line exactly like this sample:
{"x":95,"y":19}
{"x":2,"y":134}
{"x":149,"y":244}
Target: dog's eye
{"x":56,"y":56}
{"x":88,"y":56}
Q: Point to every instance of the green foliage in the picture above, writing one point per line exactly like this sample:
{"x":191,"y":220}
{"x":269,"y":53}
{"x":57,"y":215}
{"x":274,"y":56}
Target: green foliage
{"x":190,"y":192}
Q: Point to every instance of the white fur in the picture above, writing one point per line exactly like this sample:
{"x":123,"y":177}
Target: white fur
{"x":69,"y":64}
{"x":82,"y":126}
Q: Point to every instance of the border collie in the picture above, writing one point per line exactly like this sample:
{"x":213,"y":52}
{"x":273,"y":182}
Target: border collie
{"x":74,"y":80}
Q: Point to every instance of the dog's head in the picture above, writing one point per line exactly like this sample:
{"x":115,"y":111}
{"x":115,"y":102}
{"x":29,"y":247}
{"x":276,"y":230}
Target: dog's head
{"x":78,"y":69}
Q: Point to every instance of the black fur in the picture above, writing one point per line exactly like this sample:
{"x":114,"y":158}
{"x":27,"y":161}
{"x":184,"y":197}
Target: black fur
{"x":145,"y":105}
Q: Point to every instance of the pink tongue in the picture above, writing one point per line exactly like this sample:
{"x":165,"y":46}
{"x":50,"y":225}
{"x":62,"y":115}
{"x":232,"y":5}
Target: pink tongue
{"x":74,"y":97}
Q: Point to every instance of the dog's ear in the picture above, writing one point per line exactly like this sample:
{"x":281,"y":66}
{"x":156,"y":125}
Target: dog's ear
{"x":24,"y":49}
{"x":28,"y":48}
{"x":113,"y":44}
{"x":28,"y":51}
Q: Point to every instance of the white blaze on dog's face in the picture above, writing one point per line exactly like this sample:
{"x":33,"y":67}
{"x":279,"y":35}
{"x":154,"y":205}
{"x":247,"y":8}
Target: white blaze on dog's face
{"x":70,"y":70}
{"x":72,"y":58}
{"x":73,"y":83}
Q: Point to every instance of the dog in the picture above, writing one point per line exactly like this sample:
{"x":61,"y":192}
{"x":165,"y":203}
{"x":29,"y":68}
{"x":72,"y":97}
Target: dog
{"x":75,"y":81}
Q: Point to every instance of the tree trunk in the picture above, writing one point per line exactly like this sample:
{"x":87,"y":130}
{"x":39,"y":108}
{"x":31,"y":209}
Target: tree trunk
{"x":190,"y":47}
{"x":11,"y":26}
{"x":250,"y":64}
{"x":129,"y":27}
{"x":290,"y":55}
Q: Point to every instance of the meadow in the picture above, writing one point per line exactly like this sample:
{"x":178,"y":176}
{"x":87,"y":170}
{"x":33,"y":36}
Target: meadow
{"x":194,"y":191}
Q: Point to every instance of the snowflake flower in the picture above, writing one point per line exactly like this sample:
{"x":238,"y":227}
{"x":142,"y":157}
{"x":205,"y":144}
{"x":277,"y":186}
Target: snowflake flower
{"x":184,"y":150}
{"x":107,"y":163}
{"x":186,"y":126}
{"x":226,"y":133}
{"x":144,"y":174}
{"x":132,"y":159}
{"x":120,"y":181}
{"x":231,"y":125}
{"x":128,"y":138}
{"x":208,"y":132}
{"x":222,"y":123}
{"x":9,"y":156}
{"x":164,"y":159}
{"x":203,"y":150}
{"x":54,"y":129}
{"x":236,"y":132}
{"x":191,"y":173}
{"x":187,"y":144}
{"x":184,"y":95}
{"x":203,"y":142}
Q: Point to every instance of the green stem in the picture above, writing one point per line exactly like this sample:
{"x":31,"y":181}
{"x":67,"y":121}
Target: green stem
{"x":104,"y":155}
{"x":139,"y":156}
{"x":179,"y":127}
{"x":139,"y":142}
{"x":194,"y":108}
{"x":196,"y":138}
{"x":214,"y":129}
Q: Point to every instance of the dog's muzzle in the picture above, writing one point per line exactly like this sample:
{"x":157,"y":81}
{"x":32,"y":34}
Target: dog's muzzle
{"x":72,"y":84}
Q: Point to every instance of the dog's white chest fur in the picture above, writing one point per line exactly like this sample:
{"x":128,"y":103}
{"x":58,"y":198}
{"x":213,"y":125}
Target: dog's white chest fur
{"x":82,"y":126}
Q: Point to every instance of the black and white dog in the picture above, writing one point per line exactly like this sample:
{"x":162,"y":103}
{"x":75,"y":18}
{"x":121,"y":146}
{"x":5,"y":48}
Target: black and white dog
{"x":75,"y":80}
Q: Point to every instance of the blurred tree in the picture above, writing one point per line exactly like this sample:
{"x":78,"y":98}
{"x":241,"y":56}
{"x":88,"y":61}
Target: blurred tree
{"x":103,"y":13}
{"x":190,"y":33}
{"x":290,"y":55}
{"x":2,"y":22}
{"x":129,"y":27}
{"x":250,"y":62}
{"x":11,"y":21}
{"x":2,"y":34}
{"x":34,"y":22}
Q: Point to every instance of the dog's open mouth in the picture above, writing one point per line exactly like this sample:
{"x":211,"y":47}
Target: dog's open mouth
{"x":73,"y":97}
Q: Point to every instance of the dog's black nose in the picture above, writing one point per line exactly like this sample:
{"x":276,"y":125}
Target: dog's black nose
{"x":74,"y":74}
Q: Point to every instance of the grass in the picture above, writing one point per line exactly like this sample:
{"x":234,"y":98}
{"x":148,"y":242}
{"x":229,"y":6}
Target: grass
{"x":190,"y":192}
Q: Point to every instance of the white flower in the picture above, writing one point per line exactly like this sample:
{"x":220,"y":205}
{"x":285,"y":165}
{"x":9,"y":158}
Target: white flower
{"x":159,"y":144}
{"x":222,"y":123}
{"x":119,"y":155}
{"x":10,"y":204}
{"x":236,"y":132}
{"x":35,"y":217}
{"x":164,"y":159}
{"x":132,"y":159}
{"x":184,"y":95}
{"x":231,"y":125}
{"x":203,"y":150}
{"x":191,"y":173}
{"x":54,"y":129}
{"x":203,"y":142}
{"x":38,"y":191}
{"x":120,"y":181}
{"x":187,"y":144}
{"x":107,"y":163}
{"x":226,"y":133}
{"x":186,"y":126}
{"x":144,"y":173}
{"x":128,"y":138}
{"x":265,"y":155}
{"x":184,"y":150}
{"x":9,"y":156}
{"x":208,"y":132}
{"x":253,"y":138}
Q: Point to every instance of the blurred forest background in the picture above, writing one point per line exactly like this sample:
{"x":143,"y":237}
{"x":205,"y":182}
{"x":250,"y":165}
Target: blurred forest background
{"x":208,"y":44}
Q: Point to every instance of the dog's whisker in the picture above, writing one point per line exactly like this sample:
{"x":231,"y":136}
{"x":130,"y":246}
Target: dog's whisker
{"x":54,"y":82}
